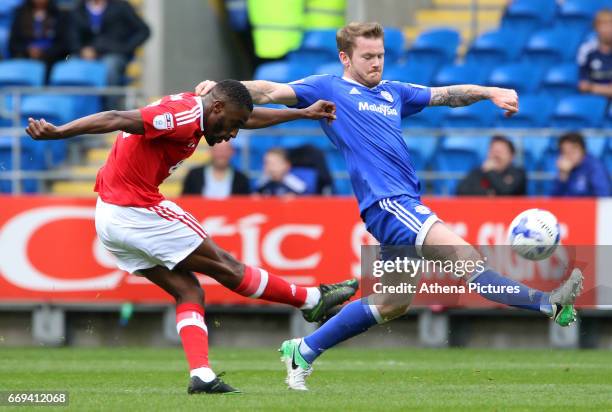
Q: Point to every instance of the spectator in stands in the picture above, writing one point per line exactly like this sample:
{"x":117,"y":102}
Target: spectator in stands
{"x":277,"y":178}
{"x":217,"y":180}
{"x":108,"y":30}
{"x":595,"y":58}
{"x":313,"y":158}
{"x":497,"y":176}
{"x":40,"y":32}
{"x":580,"y":174}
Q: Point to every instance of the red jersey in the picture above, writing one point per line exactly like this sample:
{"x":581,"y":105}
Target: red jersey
{"x":138,"y":164}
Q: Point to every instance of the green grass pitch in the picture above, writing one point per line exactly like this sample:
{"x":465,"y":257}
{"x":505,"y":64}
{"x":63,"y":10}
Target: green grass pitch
{"x":142,"y":379}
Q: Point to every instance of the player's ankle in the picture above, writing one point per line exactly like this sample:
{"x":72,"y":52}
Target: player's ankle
{"x":204,"y":373}
{"x":313,"y":296}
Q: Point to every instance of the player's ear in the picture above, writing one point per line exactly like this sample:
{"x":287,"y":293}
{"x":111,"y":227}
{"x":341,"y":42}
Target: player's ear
{"x":218,"y":106}
{"x":344,"y":59}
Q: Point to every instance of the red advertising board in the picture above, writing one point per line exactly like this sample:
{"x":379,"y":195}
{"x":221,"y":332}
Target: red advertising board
{"x":49,"y":250}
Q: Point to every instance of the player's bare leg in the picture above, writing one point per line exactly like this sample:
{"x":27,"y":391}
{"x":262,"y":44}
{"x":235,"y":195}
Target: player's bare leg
{"x":257,"y":283}
{"x":189,"y":296}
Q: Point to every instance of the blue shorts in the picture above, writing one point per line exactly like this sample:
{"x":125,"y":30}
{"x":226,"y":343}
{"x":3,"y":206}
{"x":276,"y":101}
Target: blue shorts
{"x":399,"y":221}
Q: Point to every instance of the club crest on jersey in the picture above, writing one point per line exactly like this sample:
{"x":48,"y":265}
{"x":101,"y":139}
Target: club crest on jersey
{"x":163,"y":121}
{"x":387,"y":96}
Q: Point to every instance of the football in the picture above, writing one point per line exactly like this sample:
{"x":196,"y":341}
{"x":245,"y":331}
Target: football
{"x":534,"y":234}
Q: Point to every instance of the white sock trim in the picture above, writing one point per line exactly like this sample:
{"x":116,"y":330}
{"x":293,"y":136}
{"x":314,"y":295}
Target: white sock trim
{"x":313,"y":295}
{"x":376,"y":314}
{"x":206,"y":374}
{"x":195,"y":320}
{"x":262,"y":284}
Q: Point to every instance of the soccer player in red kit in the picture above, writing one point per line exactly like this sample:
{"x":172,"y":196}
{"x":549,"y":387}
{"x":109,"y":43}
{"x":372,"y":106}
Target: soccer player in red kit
{"x":155,"y":238}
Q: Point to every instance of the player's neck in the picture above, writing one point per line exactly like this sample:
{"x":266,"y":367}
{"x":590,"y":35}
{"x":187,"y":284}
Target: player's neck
{"x":347,"y":76}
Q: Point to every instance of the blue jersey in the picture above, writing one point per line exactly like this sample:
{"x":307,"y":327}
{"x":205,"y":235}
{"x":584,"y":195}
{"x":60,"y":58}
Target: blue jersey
{"x":368,"y":132}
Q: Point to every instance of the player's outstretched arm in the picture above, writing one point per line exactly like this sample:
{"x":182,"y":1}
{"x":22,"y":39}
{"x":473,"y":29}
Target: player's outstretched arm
{"x":104,"y":122}
{"x":262,"y":117}
{"x":262,"y":91}
{"x":467,"y":94}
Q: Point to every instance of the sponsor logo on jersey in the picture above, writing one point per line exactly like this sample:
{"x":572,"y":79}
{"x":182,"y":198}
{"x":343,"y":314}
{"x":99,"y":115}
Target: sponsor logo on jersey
{"x":387,"y":96}
{"x":163,"y":121}
{"x":383,"y":109}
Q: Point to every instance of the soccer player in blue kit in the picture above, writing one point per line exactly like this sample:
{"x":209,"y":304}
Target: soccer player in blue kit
{"x":369,"y":134}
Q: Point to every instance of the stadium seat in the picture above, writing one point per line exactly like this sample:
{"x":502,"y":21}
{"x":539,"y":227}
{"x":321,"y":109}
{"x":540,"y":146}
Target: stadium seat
{"x":281,"y":72}
{"x":553,"y":46}
{"x":77,"y":72}
{"x":343,"y":186}
{"x":4,"y":42}
{"x":308,"y":60}
{"x":428,"y":117}
{"x":421,"y":149}
{"x":394,"y":44}
{"x":535,"y":111}
{"x":436,"y":47}
{"x":532,"y":149}
{"x":455,"y":161}
{"x":22,"y":72}
{"x":7,"y":7}
{"x":522,"y":77}
{"x":596,"y":145}
{"x":335,"y":160}
{"x":413,"y":71}
{"x":561,"y":80}
{"x":323,"y":41}
{"x":529,"y":14}
{"x":577,"y":15}
{"x":56,"y":109}
{"x":467,"y":73}
{"x":336,"y":69}
{"x":30,"y":161}
{"x":494,"y":47}
{"x":580,"y":111}
{"x":481,"y":114}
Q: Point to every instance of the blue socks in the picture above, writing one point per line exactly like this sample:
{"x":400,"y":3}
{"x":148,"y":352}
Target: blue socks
{"x":353,"y":319}
{"x":494,"y":287}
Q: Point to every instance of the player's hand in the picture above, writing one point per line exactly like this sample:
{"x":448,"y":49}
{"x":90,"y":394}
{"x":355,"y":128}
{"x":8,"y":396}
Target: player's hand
{"x":204,"y":87}
{"x":42,"y":130}
{"x":321,"y":109}
{"x":505,"y":99}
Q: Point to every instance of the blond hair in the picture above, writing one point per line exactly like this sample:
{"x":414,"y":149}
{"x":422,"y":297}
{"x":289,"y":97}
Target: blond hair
{"x":346,"y":36}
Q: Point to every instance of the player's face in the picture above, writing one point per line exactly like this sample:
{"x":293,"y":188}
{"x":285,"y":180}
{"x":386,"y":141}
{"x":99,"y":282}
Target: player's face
{"x":603,"y":26}
{"x":572,"y":152}
{"x":501,"y":154}
{"x":367,"y":62}
{"x":224,"y":121}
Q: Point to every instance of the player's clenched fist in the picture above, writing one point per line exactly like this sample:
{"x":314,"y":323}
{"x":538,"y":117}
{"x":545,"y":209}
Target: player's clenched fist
{"x":42,"y":130}
{"x":506,"y":99}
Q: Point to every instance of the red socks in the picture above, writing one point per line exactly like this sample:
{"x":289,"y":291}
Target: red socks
{"x":259,"y":284}
{"x":194,"y":334}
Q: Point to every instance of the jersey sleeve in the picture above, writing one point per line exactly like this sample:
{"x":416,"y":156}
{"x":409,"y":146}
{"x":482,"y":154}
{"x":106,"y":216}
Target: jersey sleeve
{"x":170,"y":119}
{"x":414,"y":97}
{"x":311,"y":89}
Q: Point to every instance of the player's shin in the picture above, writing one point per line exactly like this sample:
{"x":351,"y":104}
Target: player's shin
{"x":259,"y":284}
{"x":192,"y":329}
{"x":354,"y":319}
{"x":498,"y":288}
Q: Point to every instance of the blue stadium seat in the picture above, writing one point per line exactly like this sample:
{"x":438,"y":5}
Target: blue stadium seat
{"x":467,"y":73}
{"x":535,"y":111}
{"x":577,"y":15}
{"x":421,"y":149}
{"x":413,"y":71}
{"x":281,"y":72}
{"x":394,"y":44}
{"x":495,"y":47}
{"x":293,"y":140}
{"x":481,"y":114}
{"x":336,"y":69}
{"x":335,"y":160}
{"x":7,"y":7}
{"x":22,"y":72}
{"x":580,"y":111}
{"x":553,"y":46}
{"x":561,"y":80}
{"x":323,"y":41}
{"x":343,"y":187}
{"x":4,"y":42}
{"x":522,"y":77}
{"x":428,"y":117}
{"x":77,"y":72}
{"x":56,"y":109}
{"x":437,"y":47}
{"x":30,"y":161}
{"x":453,"y":160}
{"x":532,"y":149}
{"x":596,"y":145}
{"x":529,"y":14}
{"x":309,"y":60}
